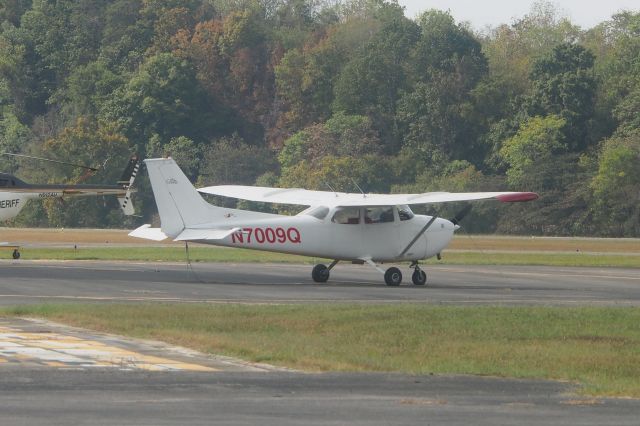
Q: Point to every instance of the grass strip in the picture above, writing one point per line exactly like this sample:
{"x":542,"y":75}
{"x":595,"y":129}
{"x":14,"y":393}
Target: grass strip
{"x":217,"y":254}
{"x":598,"y":347}
{"x":161,"y":254}
{"x":555,"y":244}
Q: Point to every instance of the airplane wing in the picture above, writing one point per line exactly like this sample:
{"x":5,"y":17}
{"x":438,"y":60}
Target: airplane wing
{"x":332,"y":199}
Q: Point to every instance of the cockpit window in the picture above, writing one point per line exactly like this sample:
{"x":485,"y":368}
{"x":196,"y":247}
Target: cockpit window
{"x":319,"y":212}
{"x":405,"y":213}
{"x":378,"y":215}
{"x":347,"y":216}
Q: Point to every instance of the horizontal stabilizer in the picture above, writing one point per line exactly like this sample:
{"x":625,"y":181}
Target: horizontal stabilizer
{"x":205,"y":234}
{"x":148,"y":233}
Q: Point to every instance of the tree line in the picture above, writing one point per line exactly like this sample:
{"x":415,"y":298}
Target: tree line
{"x":312,"y":93}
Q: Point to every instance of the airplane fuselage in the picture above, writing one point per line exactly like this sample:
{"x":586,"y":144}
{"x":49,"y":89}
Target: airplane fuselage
{"x":307,"y":235}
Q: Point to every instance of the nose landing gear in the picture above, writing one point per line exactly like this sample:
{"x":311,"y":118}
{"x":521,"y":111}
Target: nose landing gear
{"x":419,"y":277}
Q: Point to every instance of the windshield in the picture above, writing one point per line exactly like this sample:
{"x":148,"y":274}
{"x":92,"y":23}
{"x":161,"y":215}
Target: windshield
{"x":319,"y":212}
{"x":405,"y":213}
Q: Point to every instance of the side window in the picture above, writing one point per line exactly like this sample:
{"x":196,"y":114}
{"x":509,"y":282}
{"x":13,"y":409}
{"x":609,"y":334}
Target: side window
{"x":319,"y":212}
{"x":378,"y":215}
{"x":405,"y":213}
{"x":347,"y":216}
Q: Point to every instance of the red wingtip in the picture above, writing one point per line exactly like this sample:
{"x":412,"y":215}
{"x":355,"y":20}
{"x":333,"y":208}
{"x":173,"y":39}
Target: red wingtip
{"x":517,"y":197}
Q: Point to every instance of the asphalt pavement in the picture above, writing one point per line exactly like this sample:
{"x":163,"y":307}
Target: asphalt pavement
{"x":38,"y":281}
{"x":56,"y":375}
{"x":107,"y":397}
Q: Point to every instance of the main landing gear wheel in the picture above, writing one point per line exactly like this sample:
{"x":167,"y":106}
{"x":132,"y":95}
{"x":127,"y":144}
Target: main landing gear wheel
{"x":393,"y":277}
{"x":16,"y":254}
{"x":419,"y":277}
{"x":320,"y":273}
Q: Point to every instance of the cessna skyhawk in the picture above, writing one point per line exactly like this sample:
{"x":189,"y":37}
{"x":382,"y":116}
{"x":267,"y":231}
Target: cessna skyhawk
{"x":14,"y":193}
{"x":366,"y":228}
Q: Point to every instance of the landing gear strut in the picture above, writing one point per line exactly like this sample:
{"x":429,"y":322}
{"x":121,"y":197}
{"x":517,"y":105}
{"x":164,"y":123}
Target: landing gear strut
{"x":320,"y":272}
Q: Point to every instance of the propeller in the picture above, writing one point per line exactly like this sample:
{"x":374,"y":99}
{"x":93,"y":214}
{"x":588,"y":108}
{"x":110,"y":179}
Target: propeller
{"x":461,"y":214}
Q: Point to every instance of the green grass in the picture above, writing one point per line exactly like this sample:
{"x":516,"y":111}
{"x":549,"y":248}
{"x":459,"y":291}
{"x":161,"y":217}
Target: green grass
{"x":595,"y":346}
{"x":161,"y":254}
{"x":541,"y":259}
{"x":217,"y":254}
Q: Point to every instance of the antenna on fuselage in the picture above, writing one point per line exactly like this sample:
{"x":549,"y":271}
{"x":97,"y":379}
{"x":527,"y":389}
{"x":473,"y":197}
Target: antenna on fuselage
{"x":331,"y":188}
{"x":359,"y":189}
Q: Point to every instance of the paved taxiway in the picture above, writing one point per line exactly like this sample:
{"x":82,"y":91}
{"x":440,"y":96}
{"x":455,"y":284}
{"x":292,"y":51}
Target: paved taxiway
{"x":36,"y":281}
{"x":96,"y":397}
{"x":52,"y":374}
{"x":110,"y":391}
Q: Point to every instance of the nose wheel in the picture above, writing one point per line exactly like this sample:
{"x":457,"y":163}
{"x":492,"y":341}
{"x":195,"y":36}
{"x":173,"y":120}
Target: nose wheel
{"x":419,"y":277}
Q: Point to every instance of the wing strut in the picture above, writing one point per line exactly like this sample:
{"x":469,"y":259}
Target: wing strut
{"x":422,"y":231}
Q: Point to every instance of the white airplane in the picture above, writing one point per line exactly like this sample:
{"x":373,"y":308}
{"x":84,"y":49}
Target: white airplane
{"x":14,"y":193}
{"x":361,"y":228}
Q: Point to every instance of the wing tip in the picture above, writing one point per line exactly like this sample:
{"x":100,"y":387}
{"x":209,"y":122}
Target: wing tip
{"x":517,"y":197}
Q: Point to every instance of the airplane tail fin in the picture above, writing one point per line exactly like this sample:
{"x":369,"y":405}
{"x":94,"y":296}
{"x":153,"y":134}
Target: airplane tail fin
{"x":127,"y":180}
{"x":179,"y":203}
